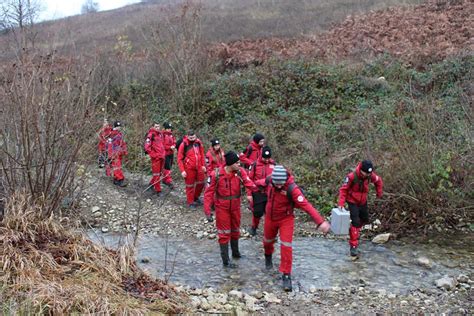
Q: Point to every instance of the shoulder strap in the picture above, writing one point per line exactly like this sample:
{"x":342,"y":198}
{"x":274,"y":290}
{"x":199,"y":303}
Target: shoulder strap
{"x":290,"y":190}
{"x":249,"y":150}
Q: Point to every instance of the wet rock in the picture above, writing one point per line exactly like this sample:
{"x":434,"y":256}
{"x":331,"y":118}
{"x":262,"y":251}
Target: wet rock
{"x":446,"y":283}
{"x":271,"y":298}
{"x":462,"y":278}
{"x":312,"y":289}
{"x":104,"y":230}
{"x":95,"y":209}
{"x":250,"y":302}
{"x":145,"y":260}
{"x":424,"y":262}
{"x":195,"y":302}
{"x":236,"y":294}
{"x":257,"y":294}
{"x":377,"y":222}
{"x":381,"y":239}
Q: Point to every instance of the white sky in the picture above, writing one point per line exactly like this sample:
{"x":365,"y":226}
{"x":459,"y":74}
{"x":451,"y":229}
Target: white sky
{"x":55,"y":9}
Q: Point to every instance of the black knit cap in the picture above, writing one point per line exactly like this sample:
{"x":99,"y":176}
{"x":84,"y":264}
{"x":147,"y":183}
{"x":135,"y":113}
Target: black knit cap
{"x":117,"y":124}
{"x":215,"y":142}
{"x":266,"y":152}
{"x":367,"y":166}
{"x":231,"y":158}
{"x":258,"y":137}
{"x":191,"y":132}
{"x":167,"y":125}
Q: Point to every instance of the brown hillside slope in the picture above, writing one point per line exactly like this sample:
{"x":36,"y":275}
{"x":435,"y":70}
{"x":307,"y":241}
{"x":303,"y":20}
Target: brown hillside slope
{"x":426,"y":32}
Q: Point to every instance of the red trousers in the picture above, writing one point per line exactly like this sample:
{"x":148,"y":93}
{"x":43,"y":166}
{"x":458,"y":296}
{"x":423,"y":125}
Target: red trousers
{"x":270,"y":232}
{"x":116,"y":166}
{"x":228,"y":223}
{"x":156,"y":168}
{"x":354,"y":235}
{"x":194,"y":184}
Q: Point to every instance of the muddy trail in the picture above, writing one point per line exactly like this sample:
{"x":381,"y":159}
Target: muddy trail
{"x":177,"y":244}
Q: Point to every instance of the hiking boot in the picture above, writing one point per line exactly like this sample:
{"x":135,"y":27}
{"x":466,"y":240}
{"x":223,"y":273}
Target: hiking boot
{"x":169,"y":185}
{"x":354,"y":252}
{"x":253,"y":231}
{"x":225,"y":256}
{"x":234,"y":244}
{"x":120,"y":183}
{"x":158,"y":194}
{"x":192,"y":206}
{"x":198,"y":201}
{"x":287,"y":287}
{"x":210,"y":218}
{"x":268,"y":262}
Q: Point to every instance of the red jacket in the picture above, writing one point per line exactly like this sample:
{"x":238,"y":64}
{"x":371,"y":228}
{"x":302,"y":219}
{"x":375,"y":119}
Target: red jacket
{"x":279,"y":206}
{"x":168,"y":141}
{"x":104,"y":133}
{"x":154,"y":144}
{"x":226,"y":194}
{"x":356,"y":191}
{"x":251,"y":153}
{"x":190,"y":155}
{"x":214,"y":159}
{"x":116,"y":145}
{"x":260,"y":170}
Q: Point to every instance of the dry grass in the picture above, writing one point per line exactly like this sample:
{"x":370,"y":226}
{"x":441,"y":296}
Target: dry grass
{"x":47,"y":268}
{"x":222,"y":21}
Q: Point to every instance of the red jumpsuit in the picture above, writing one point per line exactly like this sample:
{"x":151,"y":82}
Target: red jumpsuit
{"x":225,"y":197}
{"x":168,"y":141}
{"x":259,"y":170}
{"x":354,"y":191}
{"x":279,"y":216}
{"x":116,"y":149}
{"x":251,"y":154}
{"x":214,"y":159}
{"x":103,"y":135}
{"x":191,"y":160}
{"x":155,"y":149}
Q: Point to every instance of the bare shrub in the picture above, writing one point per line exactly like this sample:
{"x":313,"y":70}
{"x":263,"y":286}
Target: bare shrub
{"x":48,"y":104}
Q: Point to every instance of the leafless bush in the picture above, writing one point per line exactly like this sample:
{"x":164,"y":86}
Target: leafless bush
{"x":176,"y":45}
{"x":47,"y":107}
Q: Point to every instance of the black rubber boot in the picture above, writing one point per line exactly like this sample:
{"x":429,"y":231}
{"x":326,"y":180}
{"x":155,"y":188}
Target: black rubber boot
{"x":354,"y":252}
{"x":253,"y":231}
{"x":268,"y":262}
{"x":234,"y":244}
{"x":225,"y":256}
{"x":287,"y":287}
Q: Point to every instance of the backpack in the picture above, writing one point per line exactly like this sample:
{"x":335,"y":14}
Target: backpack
{"x":289,"y":191}
{"x":360,"y":182}
{"x":146,"y":137}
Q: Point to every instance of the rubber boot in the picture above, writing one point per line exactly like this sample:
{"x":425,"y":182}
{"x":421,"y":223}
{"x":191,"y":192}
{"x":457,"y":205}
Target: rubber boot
{"x":268,"y":262}
{"x":225,"y":256}
{"x":287,"y":287}
{"x":354,"y":251}
{"x":234,"y":244}
{"x":253,"y":231}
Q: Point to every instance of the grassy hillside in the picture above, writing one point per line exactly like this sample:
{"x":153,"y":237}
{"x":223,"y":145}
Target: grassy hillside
{"x":221,"y":21}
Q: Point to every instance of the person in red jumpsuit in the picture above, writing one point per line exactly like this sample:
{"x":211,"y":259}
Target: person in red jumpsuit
{"x":156,"y":150}
{"x":283,"y":196}
{"x":191,"y":164}
{"x":214,"y":156}
{"x":223,"y":193}
{"x":103,"y":135}
{"x":354,"y":191}
{"x":169,"y":142}
{"x":260,"y":169}
{"x":253,"y":151}
{"x":116,"y":149}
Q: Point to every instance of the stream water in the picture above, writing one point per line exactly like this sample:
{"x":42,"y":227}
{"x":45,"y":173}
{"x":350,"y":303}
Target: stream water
{"x":317,"y":263}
